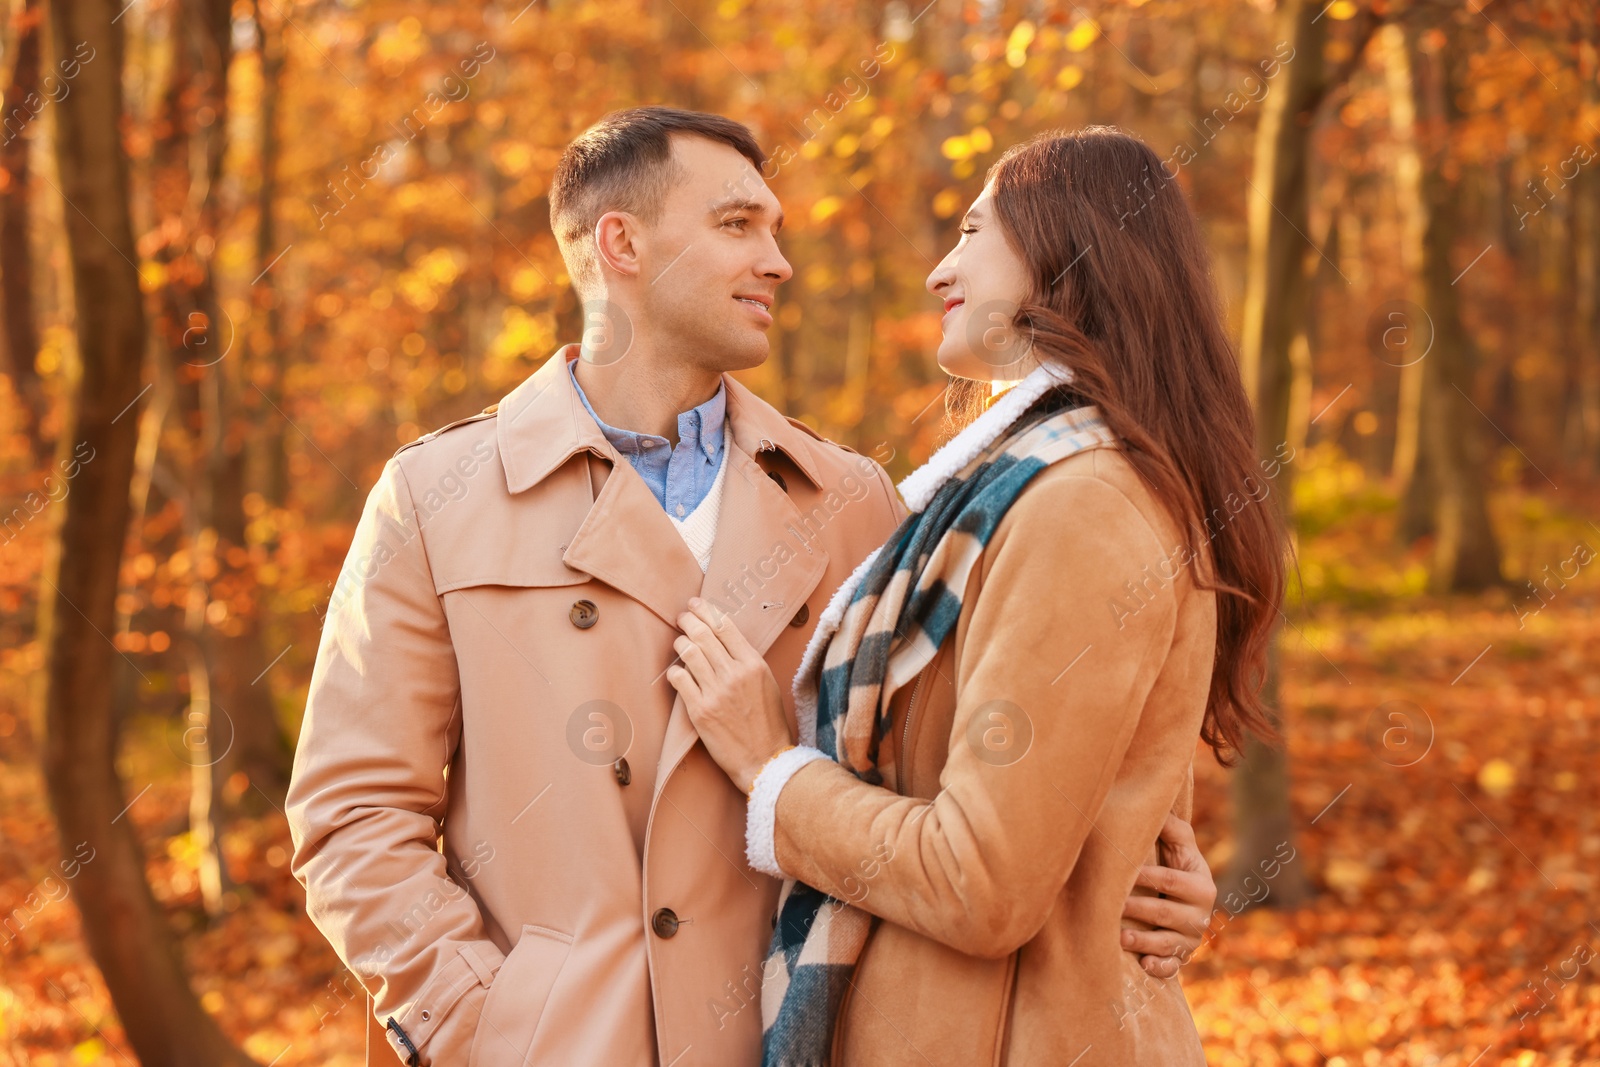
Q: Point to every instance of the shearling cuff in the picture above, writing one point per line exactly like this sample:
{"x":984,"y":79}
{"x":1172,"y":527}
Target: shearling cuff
{"x":761,"y":816}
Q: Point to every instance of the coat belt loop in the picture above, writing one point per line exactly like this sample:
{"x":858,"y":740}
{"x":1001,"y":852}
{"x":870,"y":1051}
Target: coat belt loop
{"x":484,"y":972}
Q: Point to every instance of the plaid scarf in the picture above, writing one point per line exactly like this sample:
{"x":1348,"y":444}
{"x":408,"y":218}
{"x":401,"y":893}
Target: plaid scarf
{"x":881,"y":628}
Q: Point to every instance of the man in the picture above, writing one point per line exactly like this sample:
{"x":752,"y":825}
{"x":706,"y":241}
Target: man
{"x":500,"y":812}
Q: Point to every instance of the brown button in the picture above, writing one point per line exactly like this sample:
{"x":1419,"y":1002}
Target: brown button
{"x":620,"y":769}
{"x":801,"y":616}
{"x":584,"y":614}
{"x":664,"y":922}
{"x":775,"y":476}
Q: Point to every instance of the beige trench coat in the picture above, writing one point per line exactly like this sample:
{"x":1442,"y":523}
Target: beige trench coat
{"x":500,"y":812}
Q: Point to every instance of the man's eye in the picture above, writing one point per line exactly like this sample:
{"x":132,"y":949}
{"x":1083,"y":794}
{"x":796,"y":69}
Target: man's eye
{"x":741,"y":223}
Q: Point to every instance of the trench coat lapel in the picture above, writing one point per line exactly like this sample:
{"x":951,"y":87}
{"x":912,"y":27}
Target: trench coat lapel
{"x":761,"y":569}
{"x":626,"y":540}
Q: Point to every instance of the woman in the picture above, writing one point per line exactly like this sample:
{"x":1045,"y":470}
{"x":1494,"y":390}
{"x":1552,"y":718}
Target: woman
{"x":999,"y":710}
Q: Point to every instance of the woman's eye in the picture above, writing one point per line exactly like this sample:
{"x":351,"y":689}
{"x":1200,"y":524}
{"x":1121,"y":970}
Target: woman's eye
{"x":969,"y":229}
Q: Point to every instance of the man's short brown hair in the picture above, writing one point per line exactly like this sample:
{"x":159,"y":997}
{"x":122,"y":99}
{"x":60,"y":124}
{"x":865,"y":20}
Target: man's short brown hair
{"x":624,"y":163}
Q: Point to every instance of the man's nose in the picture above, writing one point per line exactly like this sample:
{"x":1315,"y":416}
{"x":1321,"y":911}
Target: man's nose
{"x":778,"y":268}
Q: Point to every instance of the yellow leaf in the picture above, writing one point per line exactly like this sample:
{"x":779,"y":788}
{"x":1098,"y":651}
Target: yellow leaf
{"x":1021,"y":36}
{"x":1497,"y":777}
{"x":90,"y":1051}
{"x":152,"y":276}
{"x":1346,"y":875}
{"x":982,"y":140}
{"x":819,"y":277}
{"x":1017,"y":44}
{"x":825,"y":208}
{"x":1070,"y":77}
{"x":956,"y":148}
{"x":1342,"y":9}
{"x":1083,"y":35}
{"x":526,"y":283}
{"x":946,"y":203}
{"x":513,"y":158}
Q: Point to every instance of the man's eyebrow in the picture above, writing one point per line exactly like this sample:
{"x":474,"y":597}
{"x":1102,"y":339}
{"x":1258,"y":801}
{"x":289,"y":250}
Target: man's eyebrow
{"x":724,"y":208}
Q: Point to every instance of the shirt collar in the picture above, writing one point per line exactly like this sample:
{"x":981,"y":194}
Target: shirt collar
{"x":700,"y":427}
{"x":539,"y":426}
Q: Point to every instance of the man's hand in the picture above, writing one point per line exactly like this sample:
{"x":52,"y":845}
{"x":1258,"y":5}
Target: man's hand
{"x":1183,"y":910}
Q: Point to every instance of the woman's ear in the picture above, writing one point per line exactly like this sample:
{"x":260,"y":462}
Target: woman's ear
{"x":616,"y":242}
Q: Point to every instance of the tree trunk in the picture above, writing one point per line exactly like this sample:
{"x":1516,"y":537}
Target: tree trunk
{"x":241,"y":720}
{"x":1407,"y":333}
{"x":1272,"y":339}
{"x":1466,"y":556}
{"x":126,"y":933}
{"x":266,"y":357}
{"x":1586,"y":264}
{"x":21,"y":330}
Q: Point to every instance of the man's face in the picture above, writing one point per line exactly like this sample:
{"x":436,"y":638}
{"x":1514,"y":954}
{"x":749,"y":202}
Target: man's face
{"x":711,"y":266}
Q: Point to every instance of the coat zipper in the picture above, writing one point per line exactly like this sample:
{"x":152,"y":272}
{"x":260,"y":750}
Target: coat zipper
{"x":1008,"y":1009}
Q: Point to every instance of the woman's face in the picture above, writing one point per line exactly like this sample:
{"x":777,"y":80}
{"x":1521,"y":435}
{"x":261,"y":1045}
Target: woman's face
{"x":982,"y":283}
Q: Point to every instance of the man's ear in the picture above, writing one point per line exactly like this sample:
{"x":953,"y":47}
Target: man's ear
{"x":616,"y":242}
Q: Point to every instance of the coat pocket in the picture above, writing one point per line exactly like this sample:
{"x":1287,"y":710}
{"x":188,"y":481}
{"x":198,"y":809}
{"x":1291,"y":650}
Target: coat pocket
{"x":517,"y":996}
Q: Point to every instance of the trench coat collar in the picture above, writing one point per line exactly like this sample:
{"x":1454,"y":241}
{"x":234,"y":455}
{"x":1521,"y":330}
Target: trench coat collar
{"x":542,"y":423}
{"x":761,"y":571}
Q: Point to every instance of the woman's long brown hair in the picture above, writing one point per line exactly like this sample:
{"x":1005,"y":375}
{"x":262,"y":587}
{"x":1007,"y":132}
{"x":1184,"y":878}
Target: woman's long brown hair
{"x":1123,"y":296}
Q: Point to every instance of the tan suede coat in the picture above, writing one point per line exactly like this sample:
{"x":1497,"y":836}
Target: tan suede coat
{"x":1048,"y":740}
{"x":500,"y":812}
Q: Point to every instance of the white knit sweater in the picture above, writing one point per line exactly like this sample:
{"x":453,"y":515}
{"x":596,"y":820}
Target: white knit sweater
{"x":699,"y":528}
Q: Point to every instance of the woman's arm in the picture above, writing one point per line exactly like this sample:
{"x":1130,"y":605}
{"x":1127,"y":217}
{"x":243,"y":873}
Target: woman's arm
{"x":980,"y":866}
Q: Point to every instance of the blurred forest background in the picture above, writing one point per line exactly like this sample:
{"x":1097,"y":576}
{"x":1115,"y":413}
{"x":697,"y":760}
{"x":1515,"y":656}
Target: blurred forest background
{"x":249,"y":248}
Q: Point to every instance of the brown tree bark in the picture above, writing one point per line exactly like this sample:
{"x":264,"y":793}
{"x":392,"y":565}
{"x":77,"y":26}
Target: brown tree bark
{"x":267,"y":364}
{"x":242,"y":730}
{"x":1272,"y":341}
{"x":126,"y":933}
{"x":1466,"y":555}
{"x":1410,"y":473}
{"x":21,"y":330}
{"x":1585,"y":433}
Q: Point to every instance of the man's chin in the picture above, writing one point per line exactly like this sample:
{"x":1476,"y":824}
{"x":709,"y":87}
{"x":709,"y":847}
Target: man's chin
{"x":743,"y":352}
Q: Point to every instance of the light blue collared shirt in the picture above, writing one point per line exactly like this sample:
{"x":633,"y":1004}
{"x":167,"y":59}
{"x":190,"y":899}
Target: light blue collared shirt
{"x":679,"y":477}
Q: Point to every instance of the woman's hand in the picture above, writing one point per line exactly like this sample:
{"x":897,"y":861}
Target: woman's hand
{"x":729,"y":692}
{"x":1182,"y":912}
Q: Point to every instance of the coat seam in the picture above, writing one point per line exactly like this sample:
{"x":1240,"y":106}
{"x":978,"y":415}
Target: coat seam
{"x":457,"y":712}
